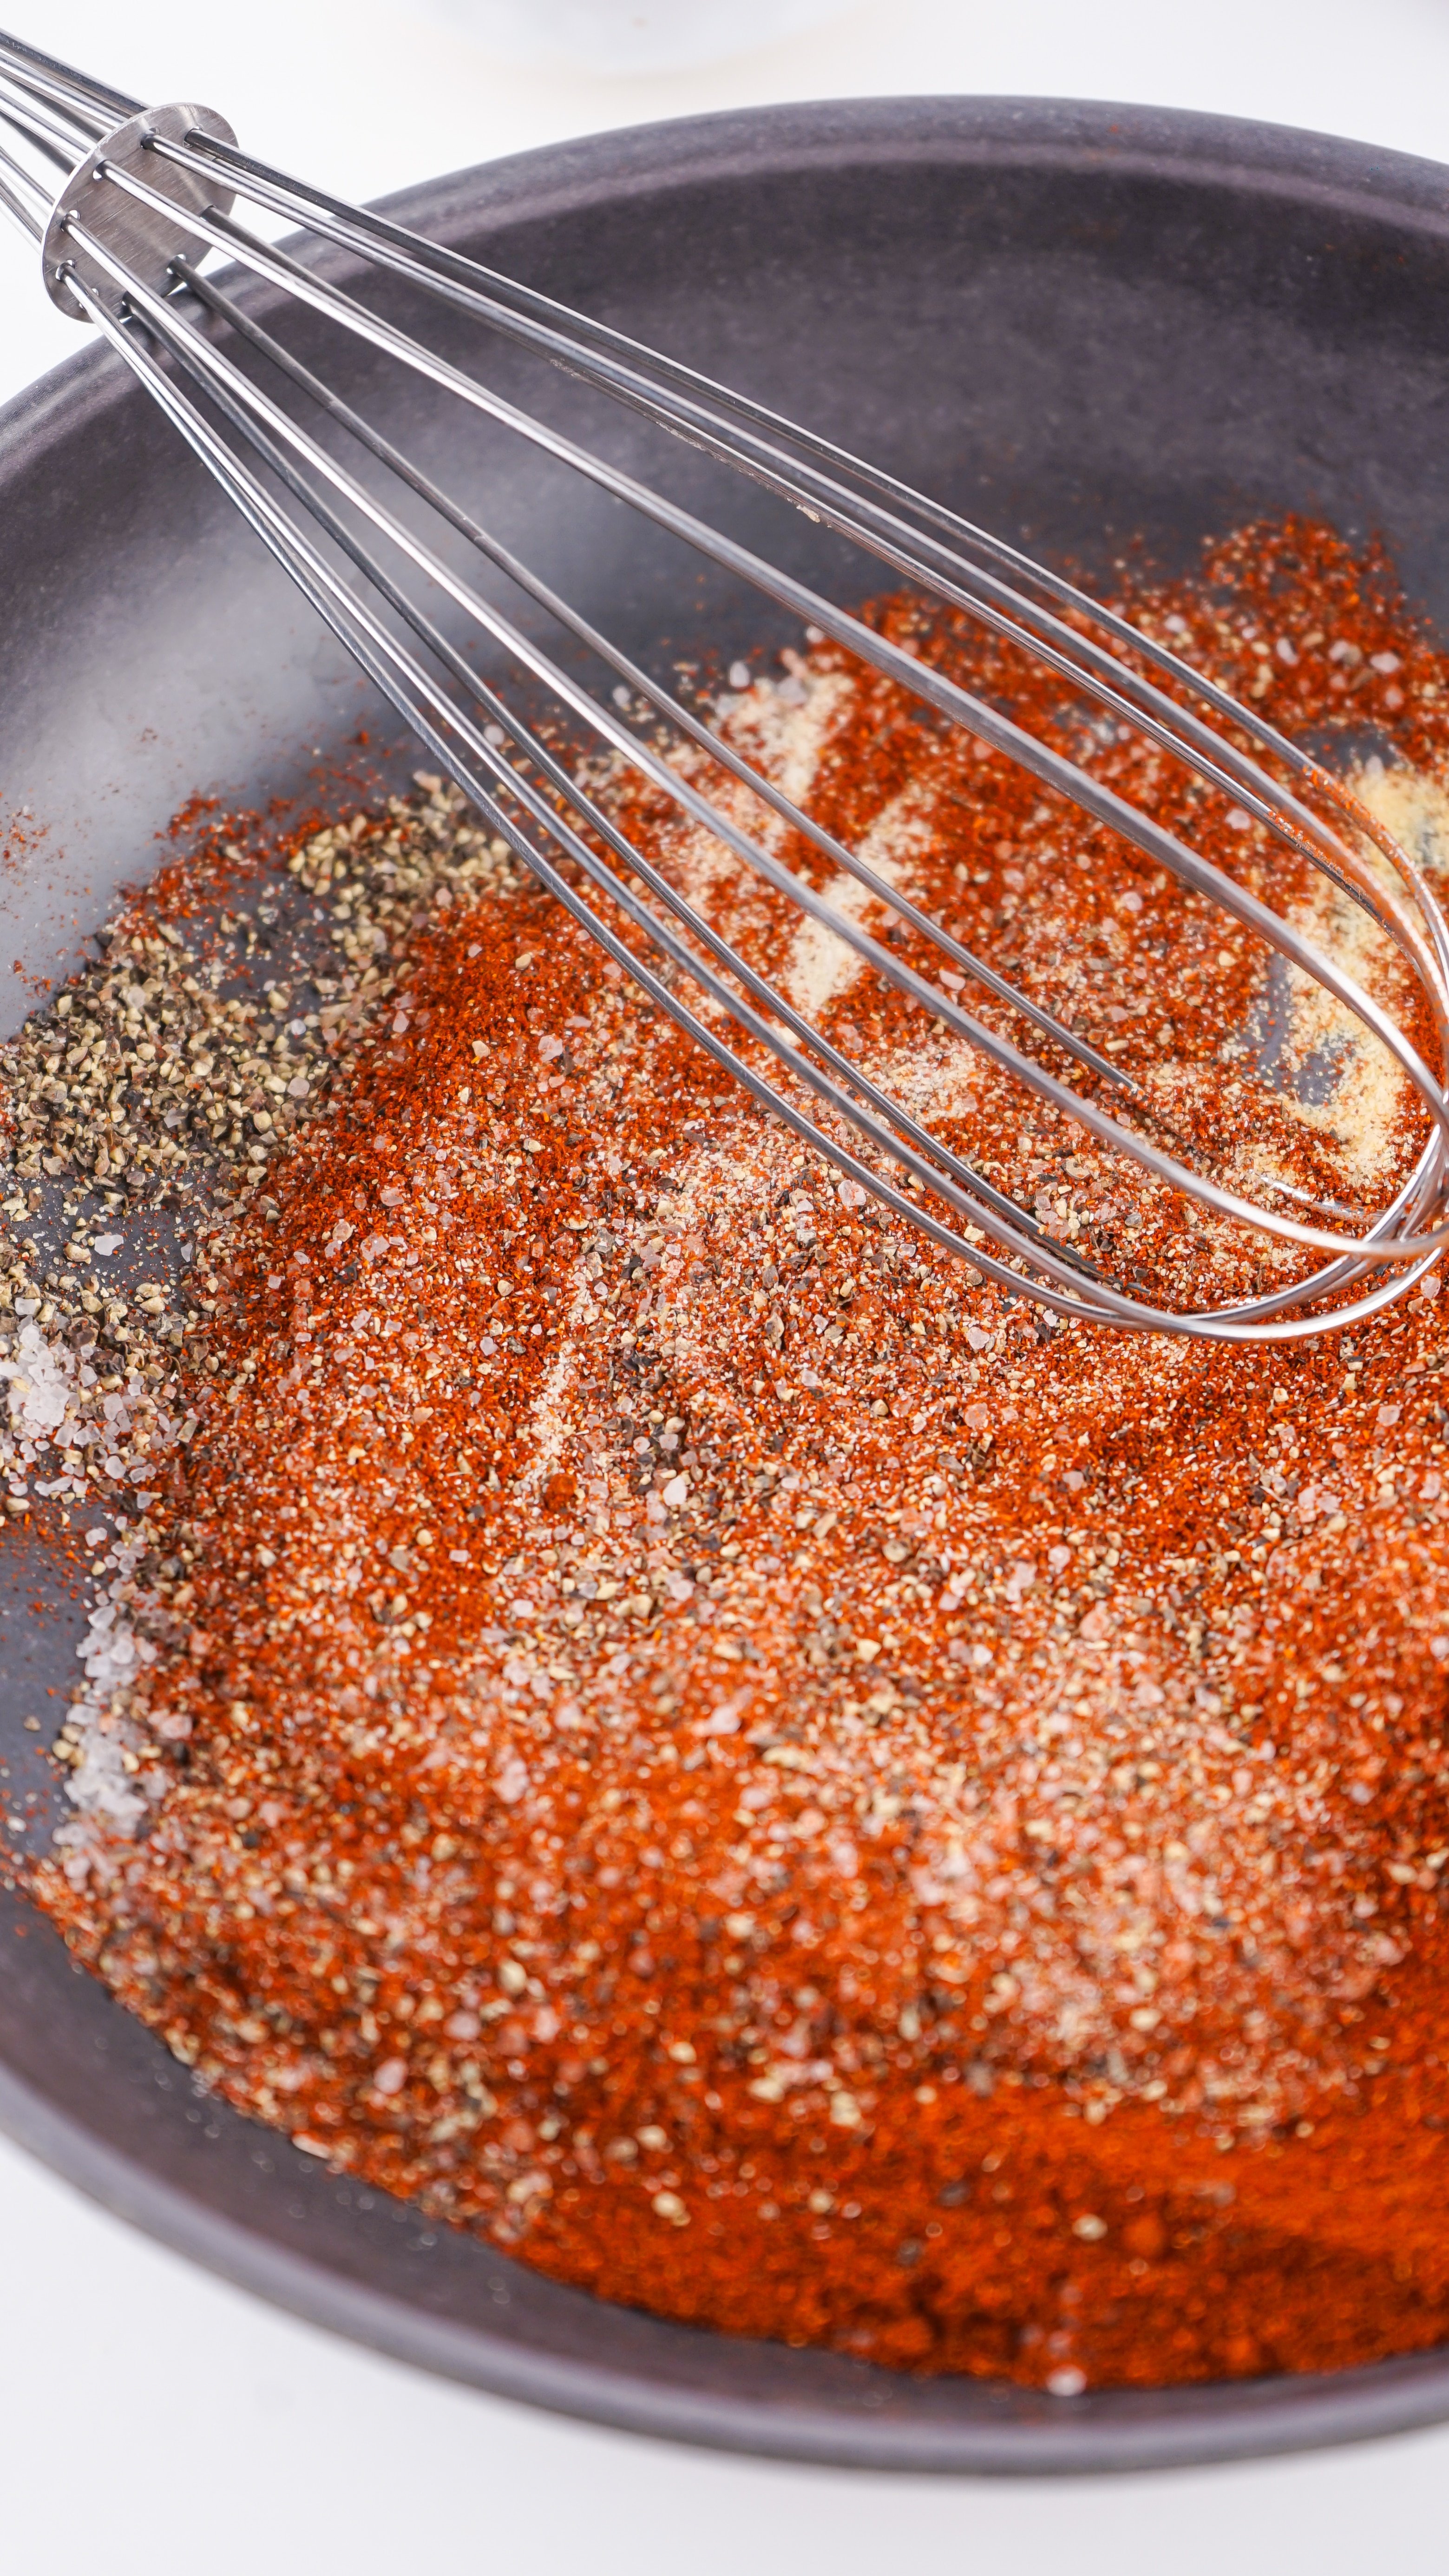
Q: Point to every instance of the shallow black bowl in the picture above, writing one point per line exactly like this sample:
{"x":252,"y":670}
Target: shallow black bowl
{"x":1086,"y":324}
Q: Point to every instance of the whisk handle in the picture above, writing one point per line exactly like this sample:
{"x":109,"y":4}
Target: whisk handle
{"x":90,"y":102}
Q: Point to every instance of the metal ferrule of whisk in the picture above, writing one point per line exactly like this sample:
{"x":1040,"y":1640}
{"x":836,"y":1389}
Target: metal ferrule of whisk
{"x":127,"y":205}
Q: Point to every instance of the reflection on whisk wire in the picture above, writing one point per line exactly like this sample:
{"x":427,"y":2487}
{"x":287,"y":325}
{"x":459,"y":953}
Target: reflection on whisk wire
{"x":127,"y":204}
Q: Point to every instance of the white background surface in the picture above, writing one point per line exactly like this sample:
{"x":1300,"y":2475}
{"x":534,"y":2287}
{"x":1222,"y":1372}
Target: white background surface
{"x":150,"y":2417}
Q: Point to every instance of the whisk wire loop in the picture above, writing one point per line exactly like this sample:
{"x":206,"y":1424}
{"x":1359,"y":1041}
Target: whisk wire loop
{"x":660,"y":385}
{"x":1052,"y":768}
{"x":139,"y":278}
{"x":440,"y":727}
{"x":627,"y":745}
{"x":951,"y":578}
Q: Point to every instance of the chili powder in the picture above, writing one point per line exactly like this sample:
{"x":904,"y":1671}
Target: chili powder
{"x":683,"y":1721}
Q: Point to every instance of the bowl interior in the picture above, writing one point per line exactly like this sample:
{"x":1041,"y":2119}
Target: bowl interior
{"x":1090,"y":328}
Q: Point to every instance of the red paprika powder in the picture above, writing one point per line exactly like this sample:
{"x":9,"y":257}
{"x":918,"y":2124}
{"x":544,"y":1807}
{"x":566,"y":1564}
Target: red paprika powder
{"x":683,"y":1723}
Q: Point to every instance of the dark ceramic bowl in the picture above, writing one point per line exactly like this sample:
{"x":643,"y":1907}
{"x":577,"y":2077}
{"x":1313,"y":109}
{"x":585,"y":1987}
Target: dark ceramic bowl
{"x":1083,"y":324}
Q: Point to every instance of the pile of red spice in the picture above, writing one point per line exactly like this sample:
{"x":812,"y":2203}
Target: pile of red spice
{"x":682,"y":1718}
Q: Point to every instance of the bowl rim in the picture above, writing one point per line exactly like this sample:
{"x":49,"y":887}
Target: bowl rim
{"x":892,"y":2420}
{"x":967,"y":2427}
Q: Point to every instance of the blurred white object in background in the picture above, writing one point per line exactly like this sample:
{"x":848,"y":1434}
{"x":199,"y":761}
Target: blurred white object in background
{"x":632,"y":36}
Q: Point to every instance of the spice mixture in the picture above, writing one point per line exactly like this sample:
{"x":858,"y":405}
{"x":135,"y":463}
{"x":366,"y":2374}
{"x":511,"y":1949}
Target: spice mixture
{"x":645,"y":1707}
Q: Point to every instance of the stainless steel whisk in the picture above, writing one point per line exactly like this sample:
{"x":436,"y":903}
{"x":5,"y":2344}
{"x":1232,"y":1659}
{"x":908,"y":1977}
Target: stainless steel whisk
{"x":126,"y":204}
